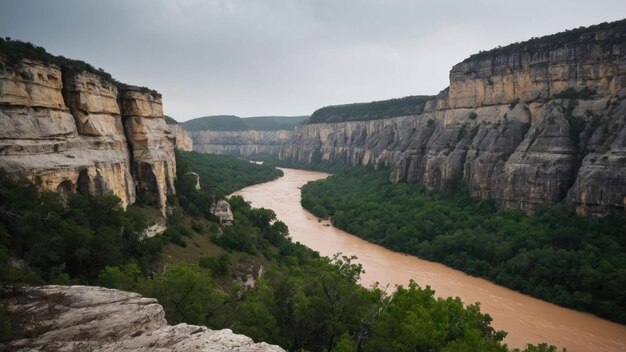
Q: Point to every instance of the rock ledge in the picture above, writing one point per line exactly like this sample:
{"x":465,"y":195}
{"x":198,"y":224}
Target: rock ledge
{"x":80,"y":318}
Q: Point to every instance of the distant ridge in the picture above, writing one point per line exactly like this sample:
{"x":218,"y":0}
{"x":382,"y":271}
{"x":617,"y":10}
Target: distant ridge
{"x":375,"y":110}
{"x":236,"y":123}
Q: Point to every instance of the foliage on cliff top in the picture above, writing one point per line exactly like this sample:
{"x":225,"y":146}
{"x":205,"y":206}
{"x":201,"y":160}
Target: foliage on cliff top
{"x":569,"y":260}
{"x":236,"y":123}
{"x":13,"y":51}
{"x":411,"y":105}
{"x":16,"y":50}
{"x":573,"y":36}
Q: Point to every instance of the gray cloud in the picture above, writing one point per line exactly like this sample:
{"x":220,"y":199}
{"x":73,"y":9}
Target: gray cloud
{"x":285,"y":57}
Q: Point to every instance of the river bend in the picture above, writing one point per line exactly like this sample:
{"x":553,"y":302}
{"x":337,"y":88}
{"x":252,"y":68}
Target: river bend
{"x":526,"y":319}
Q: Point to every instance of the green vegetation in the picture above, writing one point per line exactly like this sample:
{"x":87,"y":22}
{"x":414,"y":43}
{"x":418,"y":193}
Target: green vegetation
{"x":215,"y":123}
{"x":570,"y":37}
{"x":411,"y":105}
{"x":15,"y":50}
{"x":236,"y":123}
{"x":301,"y":301}
{"x":573,"y":261}
{"x":170,"y":120}
{"x":221,"y":175}
{"x":274,"y":123}
{"x":572,"y":93}
{"x":55,"y":244}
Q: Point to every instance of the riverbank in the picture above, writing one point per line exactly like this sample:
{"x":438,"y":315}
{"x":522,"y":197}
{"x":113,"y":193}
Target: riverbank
{"x":526,"y":319}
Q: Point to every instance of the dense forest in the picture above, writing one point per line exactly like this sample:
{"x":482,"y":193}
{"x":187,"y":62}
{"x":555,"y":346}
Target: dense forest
{"x":411,"y":105}
{"x":301,"y":301}
{"x":236,"y":123}
{"x":573,"y":261}
{"x":221,"y":175}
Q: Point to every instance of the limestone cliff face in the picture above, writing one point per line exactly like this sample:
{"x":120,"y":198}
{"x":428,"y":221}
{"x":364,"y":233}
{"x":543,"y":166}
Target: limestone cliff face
{"x":151,"y":141}
{"x":501,"y":126}
{"x":183,"y":139}
{"x":524,"y":156}
{"x":72,"y":131}
{"x":81,"y":318}
{"x":537,"y":70}
{"x":240,"y":143}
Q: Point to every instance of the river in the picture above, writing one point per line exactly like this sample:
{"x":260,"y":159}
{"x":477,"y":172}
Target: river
{"x":526,"y":319}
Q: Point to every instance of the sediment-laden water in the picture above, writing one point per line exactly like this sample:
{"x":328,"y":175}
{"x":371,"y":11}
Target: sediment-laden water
{"x":526,"y":319}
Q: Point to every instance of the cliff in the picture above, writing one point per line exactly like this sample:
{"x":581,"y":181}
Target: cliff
{"x":530,"y":124}
{"x":81,"y":318}
{"x":77,"y":131}
{"x":183,"y":139}
{"x":240,"y":143}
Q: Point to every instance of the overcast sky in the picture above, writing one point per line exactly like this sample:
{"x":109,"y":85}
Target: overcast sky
{"x":286,"y":57}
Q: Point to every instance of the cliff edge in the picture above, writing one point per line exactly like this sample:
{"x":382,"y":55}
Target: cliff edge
{"x":72,"y":128}
{"x":81,"y":318}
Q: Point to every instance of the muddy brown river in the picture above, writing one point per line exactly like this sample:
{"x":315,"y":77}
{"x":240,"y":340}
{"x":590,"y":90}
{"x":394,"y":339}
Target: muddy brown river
{"x":526,"y":319}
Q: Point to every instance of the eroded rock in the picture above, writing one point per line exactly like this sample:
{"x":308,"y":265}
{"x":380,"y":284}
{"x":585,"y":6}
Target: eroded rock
{"x":80,"y":318}
{"x":221,"y":209}
{"x":67,"y":129}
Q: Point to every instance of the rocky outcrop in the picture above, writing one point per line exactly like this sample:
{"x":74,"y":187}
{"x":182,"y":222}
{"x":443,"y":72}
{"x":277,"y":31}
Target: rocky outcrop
{"x":151,"y":142}
{"x":240,"y":143}
{"x":82,"y":318}
{"x":183,"y":139}
{"x":539,"y":69}
{"x":530,"y":124}
{"x":222,"y":210}
{"x":195,"y":179}
{"x":75,"y":131}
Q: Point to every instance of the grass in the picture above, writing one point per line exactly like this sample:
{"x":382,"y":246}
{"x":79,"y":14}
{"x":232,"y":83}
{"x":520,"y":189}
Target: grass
{"x":199,"y":245}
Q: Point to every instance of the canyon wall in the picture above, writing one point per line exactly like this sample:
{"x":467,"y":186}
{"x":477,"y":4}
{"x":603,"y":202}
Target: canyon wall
{"x":240,"y":143}
{"x":75,"y":131}
{"x":530,"y":124}
{"x":183,"y":139}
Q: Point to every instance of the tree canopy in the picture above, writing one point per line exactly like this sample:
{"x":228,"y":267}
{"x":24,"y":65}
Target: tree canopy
{"x":236,"y":123}
{"x":411,"y":105}
{"x":570,"y":260}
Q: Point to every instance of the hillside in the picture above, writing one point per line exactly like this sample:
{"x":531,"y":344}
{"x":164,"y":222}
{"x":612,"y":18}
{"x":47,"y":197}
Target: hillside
{"x":411,"y":105}
{"x":236,"y":123}
{"x":248,"y":277}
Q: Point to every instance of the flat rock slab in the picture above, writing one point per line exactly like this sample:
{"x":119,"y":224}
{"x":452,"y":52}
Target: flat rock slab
{"x":85,"y":318}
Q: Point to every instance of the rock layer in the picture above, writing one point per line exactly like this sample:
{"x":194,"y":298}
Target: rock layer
{"x":240,"y":143}
{"x":80,"y":318}
{"x":183,"y":139}
{"x":503,"y":126}
{"x":540,"y":69}
{"x":76,"y":132}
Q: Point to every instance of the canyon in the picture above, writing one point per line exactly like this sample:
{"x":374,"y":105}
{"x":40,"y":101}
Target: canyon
{"x":530,"y":124}
{"x":526,"y":319}
{"x":77,"y":131}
